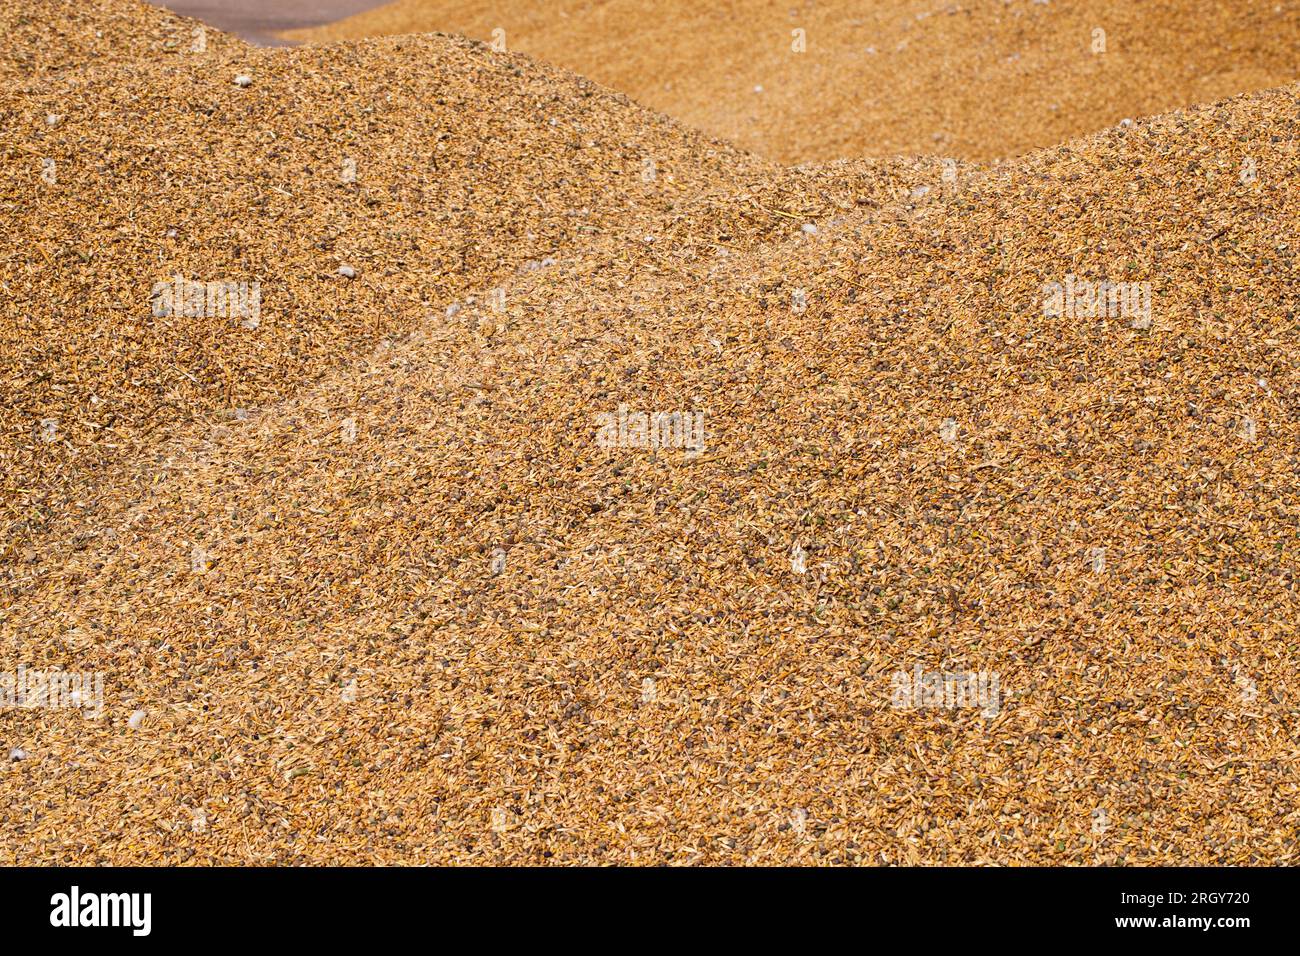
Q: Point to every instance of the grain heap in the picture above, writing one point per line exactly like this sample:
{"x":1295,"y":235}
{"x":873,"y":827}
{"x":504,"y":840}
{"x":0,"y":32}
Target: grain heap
{"x":420,"y":604}
{"x":42,"y":37}
{"x":361,"y":189}
{"x":979,"y":79}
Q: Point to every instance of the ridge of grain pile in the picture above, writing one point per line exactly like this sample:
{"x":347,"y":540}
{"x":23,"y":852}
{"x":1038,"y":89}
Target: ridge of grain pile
{"x":429,"y":169}
{"x":431,"y":609}
{"x":978,"y":79}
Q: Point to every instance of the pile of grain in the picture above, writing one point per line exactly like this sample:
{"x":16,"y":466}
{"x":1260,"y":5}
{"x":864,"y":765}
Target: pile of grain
{"x":43,"y":37}
{"x":408,"y":608}
{"x":977,"y":79}
{"x":430,"y":168}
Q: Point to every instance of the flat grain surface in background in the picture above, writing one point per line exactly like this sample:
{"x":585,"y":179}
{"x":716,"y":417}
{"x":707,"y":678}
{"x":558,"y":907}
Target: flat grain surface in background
{"x":804,"y":83}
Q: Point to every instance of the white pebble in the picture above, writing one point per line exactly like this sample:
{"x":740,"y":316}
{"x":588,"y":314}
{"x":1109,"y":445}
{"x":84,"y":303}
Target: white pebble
{"x":135,"y":720}
{"x":809,"y":228}
{"x":18,"y":754}
{"x":243,"y":79}
{"x":347,"y":272}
